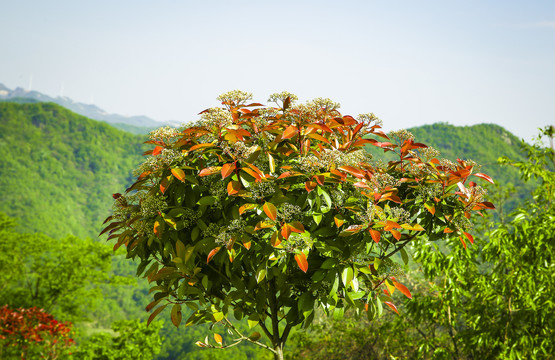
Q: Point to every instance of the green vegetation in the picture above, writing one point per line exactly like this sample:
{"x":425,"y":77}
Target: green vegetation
{"x":492,"y":301}
{"x":267,"y":214}
{"x":57,"y":168}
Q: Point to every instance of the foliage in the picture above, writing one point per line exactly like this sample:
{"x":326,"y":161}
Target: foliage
{"x":499,"y":300}
{"x":494,"y":301}
{"x":132,"y":340}
{"x":28,"y":333}
{"x":56,"y":165}
{"x":483,"y":143}
{"x":270,"y":212}
{"x":56,"y":275}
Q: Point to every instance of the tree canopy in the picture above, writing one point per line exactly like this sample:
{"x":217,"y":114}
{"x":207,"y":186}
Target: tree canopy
{"x":269,"y":212}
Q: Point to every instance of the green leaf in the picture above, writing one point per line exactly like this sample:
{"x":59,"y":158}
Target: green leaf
{"x":207,"y":200}
{"x":253,"y":320}
{"x":176,"y":315}
{"x":404,"y":256}
{"x":260,"y":275}
{"x":347,"y":276}
{"x":306,"y":302}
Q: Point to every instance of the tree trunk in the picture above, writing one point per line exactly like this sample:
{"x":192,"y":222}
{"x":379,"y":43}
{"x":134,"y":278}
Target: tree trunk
{"x":278,"y":355}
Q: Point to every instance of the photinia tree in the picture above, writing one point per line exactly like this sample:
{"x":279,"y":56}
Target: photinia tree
{"x":265,"y":213}
{"x":33,"y":331}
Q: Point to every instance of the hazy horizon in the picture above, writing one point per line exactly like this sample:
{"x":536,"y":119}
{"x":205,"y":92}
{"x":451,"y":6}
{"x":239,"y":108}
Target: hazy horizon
{"x":411,"y":64}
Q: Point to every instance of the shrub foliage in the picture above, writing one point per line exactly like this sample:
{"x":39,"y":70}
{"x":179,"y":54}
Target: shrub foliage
{"x":266,"y":212}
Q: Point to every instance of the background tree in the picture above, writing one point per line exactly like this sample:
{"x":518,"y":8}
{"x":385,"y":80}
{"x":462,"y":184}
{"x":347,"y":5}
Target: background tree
{"x":269,"y":212}
{"x":131,"y":340}
{"x":32,"y":333}
{"x":58,"y":275}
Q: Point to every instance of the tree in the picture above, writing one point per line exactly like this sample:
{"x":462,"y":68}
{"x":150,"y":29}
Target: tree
{"x":133,"y":340}
{"x":57,"y":275}
{"x":269,"y":212}
{"x":32,"y":332}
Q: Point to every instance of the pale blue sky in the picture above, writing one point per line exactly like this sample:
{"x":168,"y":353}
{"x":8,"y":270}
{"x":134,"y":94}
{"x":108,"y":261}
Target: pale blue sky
{"x":409,"y":62}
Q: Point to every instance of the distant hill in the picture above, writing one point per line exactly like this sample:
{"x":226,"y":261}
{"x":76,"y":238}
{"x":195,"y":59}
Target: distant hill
{"x":135,"y":124}
{"x":58,"y":168}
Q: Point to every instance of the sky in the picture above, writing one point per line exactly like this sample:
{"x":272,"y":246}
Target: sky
{"x":409,"y":62}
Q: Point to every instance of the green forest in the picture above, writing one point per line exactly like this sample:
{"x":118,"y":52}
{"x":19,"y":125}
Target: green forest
{"x":71,"y":294}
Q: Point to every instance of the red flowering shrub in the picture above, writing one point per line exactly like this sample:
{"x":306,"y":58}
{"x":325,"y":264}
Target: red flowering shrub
{"x":34,"y":332}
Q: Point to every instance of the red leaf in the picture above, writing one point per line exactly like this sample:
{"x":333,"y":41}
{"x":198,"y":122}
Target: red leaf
{"x":392,"y":306}
{"x":289,"y":132}
{"x":164,"y":185}
{"x":200,"y":146}
{"x":289,"y":173}
{"x":212,"y":253}
{"x":270,"y":210}
{"x":210,"y":171}
{"x":301,"y":261}
{"x":285,"y":231}
{"x":338,"y":220}
{"x":375,"y":235}
{"x":396,"y":234}
{"x":157,"y":231}
{"x":430,"y":208}
{"x":485,"y":177}
{"x":310,"y":185}
{"x":246,"y":207}
{"x":297,"y":227}
{"x":233,"y":187}
{"x":227,"y":169}
{"x":218,"y":339}
{"x":469,"y":237}
{"x":488,"y":205}
{"x":464,"y":244}
{"x":353,"y":171}
{"x":402,"y":288}
{"x":391,"y":225}
{"x":157,"y":150}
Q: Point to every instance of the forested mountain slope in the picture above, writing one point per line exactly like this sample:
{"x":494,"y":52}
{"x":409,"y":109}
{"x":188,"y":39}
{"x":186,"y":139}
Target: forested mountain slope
{"x":58,"y":168}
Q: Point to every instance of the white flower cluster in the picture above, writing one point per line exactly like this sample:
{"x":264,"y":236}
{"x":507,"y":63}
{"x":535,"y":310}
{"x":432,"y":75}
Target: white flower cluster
{"x":162,"y":160}
{"x":383,"y":180}
{"x":236,"y":96}
{"x":398,"y":214}
{"x":151,"y":204}
{"x":429,"y":190}
{"x":215,"y":119}
{"x":368,"y":119}
{"x":279,"y":98}
{"x":400,"y":135}
{"x":288,"y":212}
{"x":165,"y":134}
{"x":295,"y":242}
{"x":238,"y":150}
{"x":428,"y":153}
{"x":189,"y":218}
{"x":323,"y":103}
{"x":260,"y":190}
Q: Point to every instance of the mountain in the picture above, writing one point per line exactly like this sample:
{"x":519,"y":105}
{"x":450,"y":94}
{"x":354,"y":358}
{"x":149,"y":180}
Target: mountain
{"x":59,"y":168}
{"x":135,"y":124}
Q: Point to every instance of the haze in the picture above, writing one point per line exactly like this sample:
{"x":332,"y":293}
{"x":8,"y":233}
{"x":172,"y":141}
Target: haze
{"x":411,"y":63}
